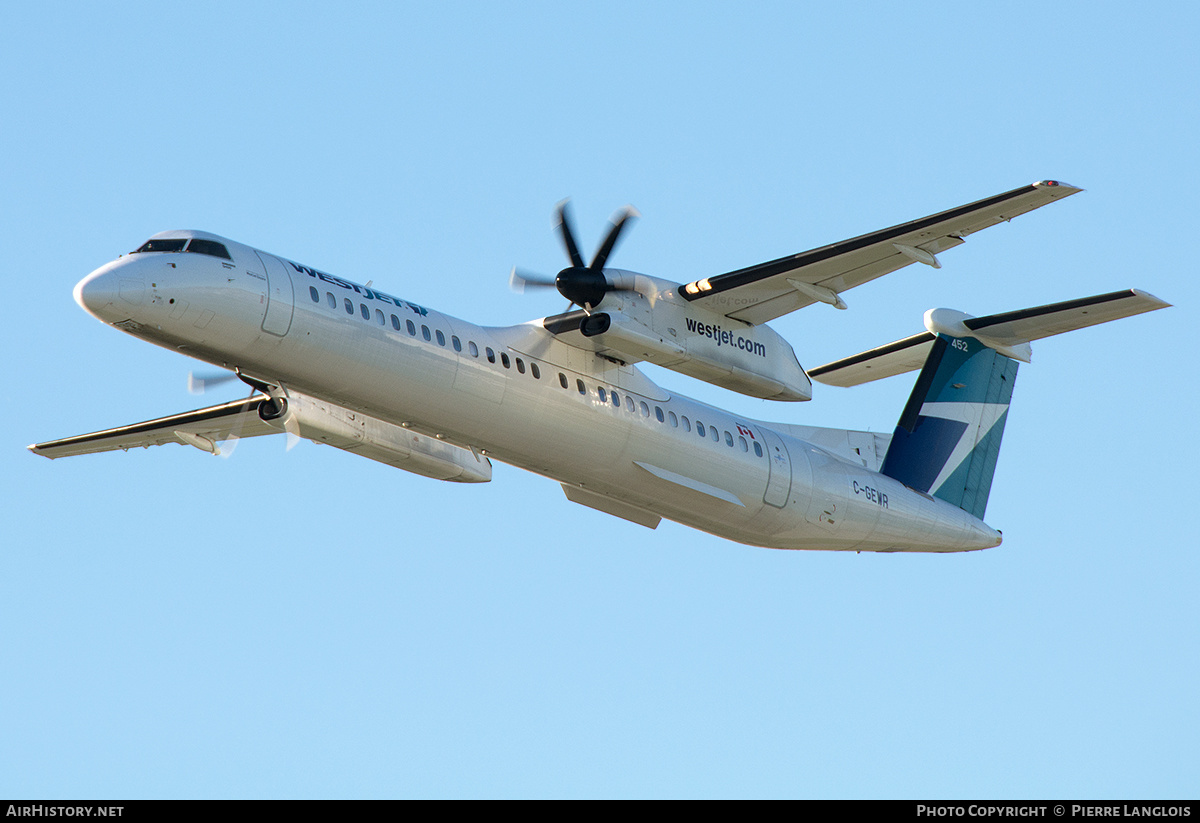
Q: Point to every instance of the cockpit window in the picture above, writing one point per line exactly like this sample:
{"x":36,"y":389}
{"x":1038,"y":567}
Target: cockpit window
{"x":172,"y":244}
{"x":209,"y":247}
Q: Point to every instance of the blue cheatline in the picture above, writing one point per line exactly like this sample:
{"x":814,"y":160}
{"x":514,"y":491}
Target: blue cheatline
{"x":948,"y":438}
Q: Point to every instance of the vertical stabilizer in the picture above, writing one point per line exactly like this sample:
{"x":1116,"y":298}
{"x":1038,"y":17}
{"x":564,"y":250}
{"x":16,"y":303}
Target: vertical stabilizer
{"x":948,"y":438}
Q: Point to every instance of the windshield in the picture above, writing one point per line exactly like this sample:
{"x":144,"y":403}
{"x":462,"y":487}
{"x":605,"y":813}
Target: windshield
{"x":176,"y":244}
{"x":210,"y":247}
{"x":162,"y":245}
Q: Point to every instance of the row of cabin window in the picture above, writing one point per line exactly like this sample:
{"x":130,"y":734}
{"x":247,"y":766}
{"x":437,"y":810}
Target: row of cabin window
{"x":602,"y":393}
{"x":675,"y":420}
{"x":411,"y":328}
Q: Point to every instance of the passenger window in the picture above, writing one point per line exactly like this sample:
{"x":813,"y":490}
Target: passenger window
{"x":537,"y":373}
{"x":520,"y":365}
{"x":331,"y":300}
{"x":411,"y":328}
{"x":440,"y":337}
{"x":314,"y":294}
{"x":700,"y":429}
{"x":473,"y":348}
{"x":674,"y":420}
{"x":562,"y":379}
{"x":491,"y":355}
{"x":687,"y":426}
{"x":659,"y":414}
{"x":742,"y":443}
{"x":714,"y":434}
{"x":645,"y":409}
{"x":454,"y":341}
{"x":366,"y":313}
{"x":349,"y":306}
{"x":582,"y":388}
{"x":729,"y":440}
{"x":425,"y":333}
{"x":379,"y":318}
{"x":603,"y":395}
{"x":504,"y":360}
{"x":616,"y":400}
{"x":395,"y":322}
{"x":757,"y":449}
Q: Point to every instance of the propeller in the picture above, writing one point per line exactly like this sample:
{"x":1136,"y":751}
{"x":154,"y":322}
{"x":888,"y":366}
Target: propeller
{"x":583,"y":284}
{"x":198,"y":384}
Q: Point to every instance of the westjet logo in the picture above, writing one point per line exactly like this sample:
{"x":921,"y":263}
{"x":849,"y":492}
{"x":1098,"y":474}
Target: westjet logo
{"x":725,"y":338}
{"x":370,"y":294}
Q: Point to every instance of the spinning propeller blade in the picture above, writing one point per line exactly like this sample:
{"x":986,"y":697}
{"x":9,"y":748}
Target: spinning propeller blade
{"x":582,"y":284}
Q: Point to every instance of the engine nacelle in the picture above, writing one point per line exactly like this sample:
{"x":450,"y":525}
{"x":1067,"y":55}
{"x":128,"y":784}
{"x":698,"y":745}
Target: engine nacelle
{"x":751,"y":360}
{"x":376,"y":439}
{"x":644,"y":318}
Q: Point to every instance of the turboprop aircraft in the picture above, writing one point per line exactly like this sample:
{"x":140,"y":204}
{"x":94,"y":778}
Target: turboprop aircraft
{"x":351,"y":366}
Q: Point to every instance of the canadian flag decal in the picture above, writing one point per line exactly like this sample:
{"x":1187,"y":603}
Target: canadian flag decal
{"x":743,"y":430}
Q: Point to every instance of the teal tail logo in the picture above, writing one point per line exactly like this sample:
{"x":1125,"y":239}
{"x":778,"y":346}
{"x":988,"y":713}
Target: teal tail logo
{"x":948,"y":438}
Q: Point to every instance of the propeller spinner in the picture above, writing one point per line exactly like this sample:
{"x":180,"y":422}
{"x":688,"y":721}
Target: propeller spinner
{"x":583,"y":285}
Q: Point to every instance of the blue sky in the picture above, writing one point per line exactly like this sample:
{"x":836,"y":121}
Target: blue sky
{"x":308,"y":623}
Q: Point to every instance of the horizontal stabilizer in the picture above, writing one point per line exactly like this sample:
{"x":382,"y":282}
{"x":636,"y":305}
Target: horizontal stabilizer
{"x":1009,"y":333}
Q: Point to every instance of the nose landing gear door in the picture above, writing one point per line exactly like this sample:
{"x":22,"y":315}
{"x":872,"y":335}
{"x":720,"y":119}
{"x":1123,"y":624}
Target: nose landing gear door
{"x":280,"y":300}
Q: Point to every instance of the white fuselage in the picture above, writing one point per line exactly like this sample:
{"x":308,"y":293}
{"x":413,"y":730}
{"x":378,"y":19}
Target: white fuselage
{"x":591,"y":423}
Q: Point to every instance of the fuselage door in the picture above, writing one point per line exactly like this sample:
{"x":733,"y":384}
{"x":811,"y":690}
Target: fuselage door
{"x":779,"y":484}
{"x":280,"y":300}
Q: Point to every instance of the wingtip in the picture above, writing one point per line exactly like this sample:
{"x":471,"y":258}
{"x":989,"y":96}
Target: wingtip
{"x":1162,"y":304}
{"x":1066,"y":188}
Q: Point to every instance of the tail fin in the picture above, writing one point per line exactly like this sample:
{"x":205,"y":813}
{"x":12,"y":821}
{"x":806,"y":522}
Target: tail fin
{"x":948,"y":438}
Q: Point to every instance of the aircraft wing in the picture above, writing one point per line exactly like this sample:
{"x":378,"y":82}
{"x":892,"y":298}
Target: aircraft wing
{"x":202,"y":428}
{"x":761,"y":293}
{"x":1007,"y":330}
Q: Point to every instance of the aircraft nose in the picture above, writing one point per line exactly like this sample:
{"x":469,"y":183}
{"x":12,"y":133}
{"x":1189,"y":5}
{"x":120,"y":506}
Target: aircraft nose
{"x":106,"y":289}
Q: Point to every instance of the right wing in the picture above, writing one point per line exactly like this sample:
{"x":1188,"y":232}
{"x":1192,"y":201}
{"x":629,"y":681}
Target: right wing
{"x":761,"y":293}
{"x":202,"y":428}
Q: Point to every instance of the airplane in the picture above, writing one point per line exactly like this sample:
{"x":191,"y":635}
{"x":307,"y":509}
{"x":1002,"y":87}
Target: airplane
{"x":337,"y":362}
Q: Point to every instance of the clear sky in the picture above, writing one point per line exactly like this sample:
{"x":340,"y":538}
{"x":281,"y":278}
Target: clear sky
{"x":309,"y":623}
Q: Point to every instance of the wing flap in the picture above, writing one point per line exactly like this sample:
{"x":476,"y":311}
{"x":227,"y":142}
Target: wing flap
{"x":238,"y":418}
{"x":761,"y":293}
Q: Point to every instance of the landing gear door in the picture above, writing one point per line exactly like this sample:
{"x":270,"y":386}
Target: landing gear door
{"x":280,"y":300}
{"x":779,"y":483}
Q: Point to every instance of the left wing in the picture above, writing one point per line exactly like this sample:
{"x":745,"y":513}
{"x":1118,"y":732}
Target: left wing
{"x":202,"y":428}
{"x":761,"y":293}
